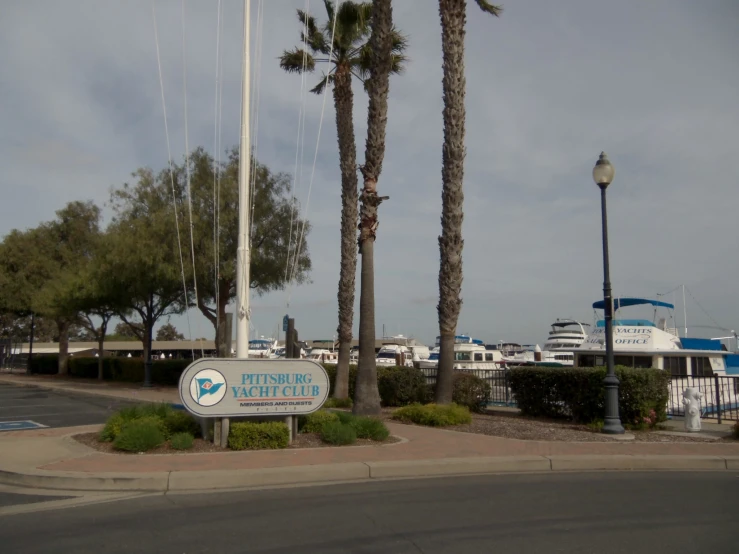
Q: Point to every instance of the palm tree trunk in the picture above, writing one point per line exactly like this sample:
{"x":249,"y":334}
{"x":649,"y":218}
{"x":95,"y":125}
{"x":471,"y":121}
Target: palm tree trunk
{"x":367,"y":397}
{"x":344,"y":104}
{"x":452,"y":13}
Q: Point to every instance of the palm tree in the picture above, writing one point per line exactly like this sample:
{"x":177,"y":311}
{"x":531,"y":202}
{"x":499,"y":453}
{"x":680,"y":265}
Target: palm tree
{"x":453,"y":16}
{"x":350,"y":57}
{"x":381,"y":43}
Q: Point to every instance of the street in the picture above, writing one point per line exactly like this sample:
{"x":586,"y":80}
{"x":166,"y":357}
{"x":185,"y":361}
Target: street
{"x":23,"y":407}
{"x":600,"y":513}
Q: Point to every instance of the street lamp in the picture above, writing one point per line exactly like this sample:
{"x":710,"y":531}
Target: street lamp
{"x":603,"y":175}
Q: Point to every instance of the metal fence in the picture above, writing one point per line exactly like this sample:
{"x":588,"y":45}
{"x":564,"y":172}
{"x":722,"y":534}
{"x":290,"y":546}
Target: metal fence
{"x":720,"y":396}
{"x":497,"y":378}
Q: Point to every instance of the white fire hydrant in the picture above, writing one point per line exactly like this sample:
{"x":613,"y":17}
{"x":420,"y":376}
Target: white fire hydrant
{"x":692,"y":402}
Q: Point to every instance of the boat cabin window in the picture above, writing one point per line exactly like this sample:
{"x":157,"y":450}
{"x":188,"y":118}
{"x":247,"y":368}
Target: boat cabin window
{"x":701,"y":367}
{"x":478,"y":356}
{"x":462,"y":356}
{"x":586,"y":361}
{"x":488,"y":356}
{"x":676,"y":365}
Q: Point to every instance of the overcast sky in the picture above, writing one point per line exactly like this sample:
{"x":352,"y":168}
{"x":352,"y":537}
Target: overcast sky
{"x":549,"y":85}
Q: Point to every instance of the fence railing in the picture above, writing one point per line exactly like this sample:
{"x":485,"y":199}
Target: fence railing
{"x":497,"y":378}
{"x":720,"y":396}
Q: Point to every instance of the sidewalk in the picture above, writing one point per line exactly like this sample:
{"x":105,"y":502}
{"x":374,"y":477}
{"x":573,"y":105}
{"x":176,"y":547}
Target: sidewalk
{"x":50,"y":458}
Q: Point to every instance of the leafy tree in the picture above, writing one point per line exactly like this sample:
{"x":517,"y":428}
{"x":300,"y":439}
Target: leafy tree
{"x":169,"y":332}
{"x":140,"y":268}
{"x":123,"y":332}
{"x":367,"y":396}
{"x":215,"y":234}
{"x":453,"y":16}
{"x":350,"y":56}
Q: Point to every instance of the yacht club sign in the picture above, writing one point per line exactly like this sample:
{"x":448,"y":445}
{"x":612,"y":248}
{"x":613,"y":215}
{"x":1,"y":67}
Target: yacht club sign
{"x":623,"y":336}
{"x":217,"y":387}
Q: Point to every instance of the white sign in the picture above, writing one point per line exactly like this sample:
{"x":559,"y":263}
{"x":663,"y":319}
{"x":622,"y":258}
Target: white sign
{"x":221,"y":387}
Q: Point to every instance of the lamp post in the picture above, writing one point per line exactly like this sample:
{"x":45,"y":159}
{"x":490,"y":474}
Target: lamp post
{"x":603,"y":175}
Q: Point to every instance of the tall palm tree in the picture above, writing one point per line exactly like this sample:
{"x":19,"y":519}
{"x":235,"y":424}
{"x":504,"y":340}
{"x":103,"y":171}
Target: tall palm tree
{"x":367,"y":397}
{"x":453,"y":17}
{"x":350,"y":57}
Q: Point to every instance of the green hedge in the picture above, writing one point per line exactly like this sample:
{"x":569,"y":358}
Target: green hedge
{"x":578,"y":393}
{"x":45,"y":364}
{"x":258,"y":436}
{"x":398,"y":386}
{"x":471,"y":391}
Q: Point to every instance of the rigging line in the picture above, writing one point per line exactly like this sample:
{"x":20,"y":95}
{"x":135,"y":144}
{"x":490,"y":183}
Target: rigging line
{"x":301,"y":124}
{"x":318,"y":140}
{"x":704,"y":310}
{"x":255,"y":112}
{"x":188,"y":182}
{"x":215,"y":168}
{"x":171,"y":170}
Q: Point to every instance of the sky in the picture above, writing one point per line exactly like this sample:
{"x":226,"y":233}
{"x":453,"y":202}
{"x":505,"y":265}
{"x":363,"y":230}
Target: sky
{"x":549,"y":86}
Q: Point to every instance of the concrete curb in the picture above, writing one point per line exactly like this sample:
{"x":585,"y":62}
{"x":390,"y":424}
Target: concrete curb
{"x":193,"y":481}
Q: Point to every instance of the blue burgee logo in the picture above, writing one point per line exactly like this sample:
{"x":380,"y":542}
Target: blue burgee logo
{"x":208,"y":387}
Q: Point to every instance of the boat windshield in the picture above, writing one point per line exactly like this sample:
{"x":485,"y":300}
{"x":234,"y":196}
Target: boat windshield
{"x":434,"y":356}
{"x":386,"y":355}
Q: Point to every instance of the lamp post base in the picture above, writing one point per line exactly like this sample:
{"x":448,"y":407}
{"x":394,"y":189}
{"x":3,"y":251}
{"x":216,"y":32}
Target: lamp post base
{"x":612,"y":421}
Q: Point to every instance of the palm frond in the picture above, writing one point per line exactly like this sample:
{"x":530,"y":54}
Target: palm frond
{"x":361,"y":62}
{"x":318,"y":89}
{"x":315,"y":39}
{"x":353,"y":21}
{"x":400,"y":42}
{"x":329,"y":9}
{"x":297,"y":60}
{"x":492,"y":9}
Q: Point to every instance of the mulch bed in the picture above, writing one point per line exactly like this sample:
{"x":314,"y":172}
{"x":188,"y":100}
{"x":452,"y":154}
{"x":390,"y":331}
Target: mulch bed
{"x":512,"y":425}
{"x":303,"y":440}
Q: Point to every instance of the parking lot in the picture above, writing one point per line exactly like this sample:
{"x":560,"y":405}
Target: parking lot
{"x":30,"y":408}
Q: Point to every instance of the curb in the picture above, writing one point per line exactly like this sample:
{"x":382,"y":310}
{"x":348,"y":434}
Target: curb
{"x":223,"y":480}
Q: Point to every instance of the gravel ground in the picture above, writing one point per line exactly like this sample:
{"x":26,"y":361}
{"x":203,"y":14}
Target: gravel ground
{"x":512,"y":425}
{"x":303,"y":440}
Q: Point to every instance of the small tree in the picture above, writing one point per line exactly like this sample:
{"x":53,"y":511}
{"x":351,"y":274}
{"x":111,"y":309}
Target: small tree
{"x":169,"y":332}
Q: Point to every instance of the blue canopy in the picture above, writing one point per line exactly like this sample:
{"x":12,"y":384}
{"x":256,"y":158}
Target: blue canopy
{"x":624,"y":302}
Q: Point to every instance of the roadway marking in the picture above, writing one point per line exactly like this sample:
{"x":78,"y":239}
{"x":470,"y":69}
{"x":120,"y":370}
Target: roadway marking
{"x":20,"y":425}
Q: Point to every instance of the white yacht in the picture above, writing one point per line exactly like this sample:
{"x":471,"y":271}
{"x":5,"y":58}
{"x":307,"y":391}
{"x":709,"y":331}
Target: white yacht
{"x":565,"y":336}
{"x":469,"y":354}
{"x":640,"y":343}
{"x":262,"y":348}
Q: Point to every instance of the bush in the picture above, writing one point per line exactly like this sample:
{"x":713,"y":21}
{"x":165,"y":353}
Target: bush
{"x":335,"y":432}
{"x":313,"y":423}
{"x":471,"y":391}
{"x":131,"y":370}
{"x":179,"y":421}
{"x":338,"y":403}
{"x":400,"y":386}
{"x":258,"y":436}
{"x":170,"y":420}
{"x":578,"y":393}
{"x":365,"y":427}
{"x":45,"y":364}
{"x":434,"y":415}
{"x":182,"y":441}
{"x":140,"y":435}
{"x":735,"y":430}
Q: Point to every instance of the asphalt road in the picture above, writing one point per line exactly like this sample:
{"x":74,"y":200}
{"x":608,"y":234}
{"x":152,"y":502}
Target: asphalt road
{"x":53,"y":409}
{"x":603,"y":513}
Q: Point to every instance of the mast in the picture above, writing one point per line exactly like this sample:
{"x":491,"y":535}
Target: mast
{"x":243,"y":311}
{"x":685,"y":313}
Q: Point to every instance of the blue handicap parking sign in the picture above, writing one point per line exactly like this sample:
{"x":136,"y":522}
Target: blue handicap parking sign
{"x":19,"y":425}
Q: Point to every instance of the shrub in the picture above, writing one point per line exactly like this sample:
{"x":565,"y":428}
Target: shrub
{"x":735,"y":430}
{"x":45,"y":364}
{"x":338,"y":403}
{"x":182,"y":441}
{"x":179,"y":421}
{"x":335,"y":432}
{"x":400,"y":386}
{"x":140,"y":435}
{"x":471,"y":391}
{"x":258,"y":436}
{"x":365,"y":427}
{"x":313,"y":423}
{"x":118,"y":368}
{"x":434,"y":415}
{"x":578,"y":393}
